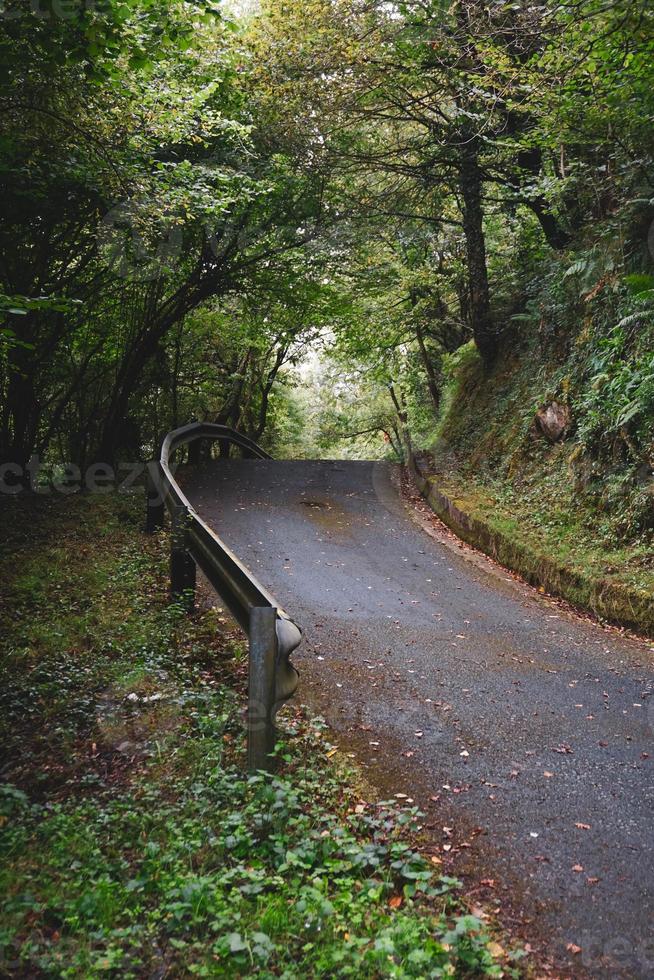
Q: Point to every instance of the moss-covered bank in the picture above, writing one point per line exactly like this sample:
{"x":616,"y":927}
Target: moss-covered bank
{"x":482,"y":524}
{"x":574,"y":512}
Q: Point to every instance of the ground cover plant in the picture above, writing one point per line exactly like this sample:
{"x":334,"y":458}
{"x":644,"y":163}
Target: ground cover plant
{"x":133,"y":843}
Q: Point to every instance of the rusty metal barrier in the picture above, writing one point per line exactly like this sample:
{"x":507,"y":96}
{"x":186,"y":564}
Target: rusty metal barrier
{"x":272,"y":633}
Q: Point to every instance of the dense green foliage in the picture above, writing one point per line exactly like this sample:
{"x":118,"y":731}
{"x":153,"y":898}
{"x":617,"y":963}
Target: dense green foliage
{"x":382,"y":182}
{"x":161,"y":195}
{"x":132,"y":842}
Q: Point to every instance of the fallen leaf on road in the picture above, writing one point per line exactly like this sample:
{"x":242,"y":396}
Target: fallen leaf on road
{"x":573,"y":948}
{"x":582,"y":826}
{"x":577,"y":868}
{"x":548,"y":775}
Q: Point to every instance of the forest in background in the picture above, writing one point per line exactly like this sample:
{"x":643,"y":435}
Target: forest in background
{"x":445,"y":206}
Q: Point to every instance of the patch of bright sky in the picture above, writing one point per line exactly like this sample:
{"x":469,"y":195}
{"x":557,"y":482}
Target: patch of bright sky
{"x":241,"y":8}
{"x":245,"y":8}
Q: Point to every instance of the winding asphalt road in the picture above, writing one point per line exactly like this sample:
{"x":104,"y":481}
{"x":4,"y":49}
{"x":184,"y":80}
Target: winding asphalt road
{"x":524,"y":731}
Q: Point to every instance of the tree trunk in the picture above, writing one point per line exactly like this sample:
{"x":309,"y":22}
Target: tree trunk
{"x":399,"y":403}
{"x":267,"y":387}
{"x":470,"y":184}
{"x":21,"y":413}
{"x":530,"y":162}
{"x":230,"y":413}
{"x":432,"y":379}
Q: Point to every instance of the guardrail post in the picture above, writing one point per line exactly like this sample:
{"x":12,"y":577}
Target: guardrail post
{"x":182,"y":566}
{"x":261,"y":688}
{"x":155,"y":509}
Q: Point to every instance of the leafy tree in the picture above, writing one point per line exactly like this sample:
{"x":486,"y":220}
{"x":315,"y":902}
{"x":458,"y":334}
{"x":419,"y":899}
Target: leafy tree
{"x":162,"y":195}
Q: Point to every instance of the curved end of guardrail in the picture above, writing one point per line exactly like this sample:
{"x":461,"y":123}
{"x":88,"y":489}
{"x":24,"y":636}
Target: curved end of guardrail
{"x":273,"y":636}
{"x":289,"y":637}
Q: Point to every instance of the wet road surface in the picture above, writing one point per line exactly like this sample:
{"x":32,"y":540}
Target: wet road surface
{"x":522,"y":729}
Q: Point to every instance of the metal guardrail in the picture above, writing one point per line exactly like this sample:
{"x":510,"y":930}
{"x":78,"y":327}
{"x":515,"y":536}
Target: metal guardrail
{"x":272,"y":633}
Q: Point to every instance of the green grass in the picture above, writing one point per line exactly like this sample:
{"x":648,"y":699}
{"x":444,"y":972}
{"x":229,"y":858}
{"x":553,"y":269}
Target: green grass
{"x":132,"y":843}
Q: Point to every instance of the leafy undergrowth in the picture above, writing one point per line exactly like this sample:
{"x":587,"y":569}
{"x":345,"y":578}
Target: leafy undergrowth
{"x":132,"y":844}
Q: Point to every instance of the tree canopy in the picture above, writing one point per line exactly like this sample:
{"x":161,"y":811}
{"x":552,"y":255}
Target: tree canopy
{"x":195,"y":195}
